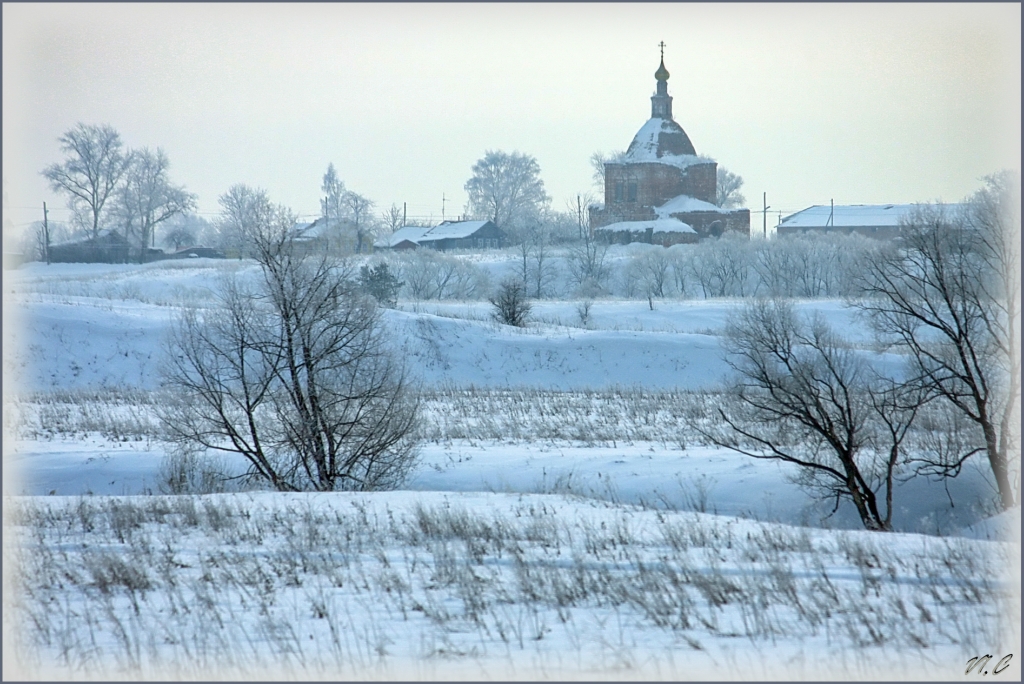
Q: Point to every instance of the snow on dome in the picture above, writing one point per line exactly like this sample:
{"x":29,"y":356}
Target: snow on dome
{"x":686,"y":203}
{"x":661,"y":225}
{"x":663,"y":141}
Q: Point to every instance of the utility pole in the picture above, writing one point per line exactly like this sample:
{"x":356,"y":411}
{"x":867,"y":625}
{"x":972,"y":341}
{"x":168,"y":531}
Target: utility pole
{"x":46,"y":235}
{"x":831,"y":213}
{"x":404,"y":208}
{"x":764,"y":216}
{"x":442,"y":207}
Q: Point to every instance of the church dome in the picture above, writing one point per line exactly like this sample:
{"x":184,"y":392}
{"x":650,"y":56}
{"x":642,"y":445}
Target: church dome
{"x":659,"y":138}
{"x":662,"y":73}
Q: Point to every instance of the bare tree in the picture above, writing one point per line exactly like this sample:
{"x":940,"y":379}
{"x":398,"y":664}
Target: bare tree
{"x":727,"y":189}
{"x":190,"y":229}
{"x":294,"y":375}
{"x":597,"y":162}
{"x":360,"y":212}
{"x":392,"y":218}
{"x":332,"y":204}
{"x":721,"y":266}
{"x":949,"y":298}
{"x":430,"y":275}
{"x":511,"y":306}
{"x":804,"y":397}
{"x":94,"y":166}
{"x":506,"y":189}
{"x":147,"y":198}
{"x":243,"y":207}
{"x":587,"y":266}
{"x":650,"y":269}
{"x":579,"y":211}
{"x":543,"y":271}
{"x":178,"y":236}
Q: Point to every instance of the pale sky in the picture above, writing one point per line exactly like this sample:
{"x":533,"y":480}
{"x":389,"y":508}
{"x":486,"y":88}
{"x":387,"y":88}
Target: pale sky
{"x":859,"y":103}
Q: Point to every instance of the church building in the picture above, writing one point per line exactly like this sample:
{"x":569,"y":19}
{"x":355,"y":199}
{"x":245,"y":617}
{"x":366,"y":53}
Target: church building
{"x":660,"y":191}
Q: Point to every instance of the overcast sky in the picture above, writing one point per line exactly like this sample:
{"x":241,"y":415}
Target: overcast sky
{"x":860,"y":103}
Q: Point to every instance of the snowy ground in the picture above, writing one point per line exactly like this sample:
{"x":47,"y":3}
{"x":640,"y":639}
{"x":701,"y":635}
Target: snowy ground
{"x":539,"y":536}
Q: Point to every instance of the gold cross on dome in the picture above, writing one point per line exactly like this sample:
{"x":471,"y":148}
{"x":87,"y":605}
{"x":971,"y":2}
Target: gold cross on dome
{"x":662,"y":46}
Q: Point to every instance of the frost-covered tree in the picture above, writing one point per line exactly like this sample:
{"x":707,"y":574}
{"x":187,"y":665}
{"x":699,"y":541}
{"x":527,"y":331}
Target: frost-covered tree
{"x":721,"y":266}
{"x":95,"y":164}
{"x":147,"y":198}
{"x":649,"y":270}
{"x":245,"y":210}
{"x":597,"y":162}
{"x":332,"y":200}
{"x":727,"y":189}
{"x":189,"y":229}
{"x":507,"y":189}
{"x":360,"y":213}
{"x":431,"y":275}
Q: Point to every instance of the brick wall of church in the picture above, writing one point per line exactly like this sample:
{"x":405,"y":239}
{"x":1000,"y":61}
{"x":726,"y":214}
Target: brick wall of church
{"x":714,"y":224}
{"x":655,"y":184}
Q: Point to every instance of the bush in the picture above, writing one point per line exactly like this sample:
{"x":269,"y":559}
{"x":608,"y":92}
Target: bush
{"x":380,"y":283}
{"x":510,"y":304}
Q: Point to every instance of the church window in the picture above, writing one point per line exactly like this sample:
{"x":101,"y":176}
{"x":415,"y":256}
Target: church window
{"x":618,"y":191}
{"x":632,"y":192}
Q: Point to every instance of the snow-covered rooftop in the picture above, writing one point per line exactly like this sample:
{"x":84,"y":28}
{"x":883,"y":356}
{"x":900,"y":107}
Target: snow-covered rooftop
{"x":661,"y":225}
{"x":410,"y":233}
{"x":311,"y":231}
{"x":850,"y":215}
{"x":454,"y":229}
{"x":83,"y":238}
{"x":419,"y":234}
{"x":685,"y":203}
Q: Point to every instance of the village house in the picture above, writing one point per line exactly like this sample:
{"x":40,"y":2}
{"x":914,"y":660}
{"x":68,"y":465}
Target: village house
{"x":447,"y":236}
{"x":873,"y":220}
{"x":661,"y":191}
{"x":109,"y":246}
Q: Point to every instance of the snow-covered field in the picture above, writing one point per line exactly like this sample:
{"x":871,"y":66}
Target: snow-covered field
{"x":560,"y":523}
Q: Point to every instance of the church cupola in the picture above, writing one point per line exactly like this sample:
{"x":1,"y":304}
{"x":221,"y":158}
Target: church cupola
{"x":661,"y":101}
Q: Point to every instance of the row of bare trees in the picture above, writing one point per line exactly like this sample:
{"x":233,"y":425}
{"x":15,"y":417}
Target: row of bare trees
{"x":945,"y":301}
{"x":110,"y":186}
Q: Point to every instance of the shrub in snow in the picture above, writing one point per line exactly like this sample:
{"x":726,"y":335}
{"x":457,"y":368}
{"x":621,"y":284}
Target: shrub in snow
{"x":510,"y":304}
{"x":380,"y":283}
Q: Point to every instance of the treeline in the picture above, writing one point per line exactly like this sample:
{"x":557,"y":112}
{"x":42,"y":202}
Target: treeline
{"x":797,"y":266}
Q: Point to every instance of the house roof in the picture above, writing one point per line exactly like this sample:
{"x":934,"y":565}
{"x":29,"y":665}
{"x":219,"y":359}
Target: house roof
{"x":454,"y":229}
{"x":850,"y":216}
{"x":661,"y":225}
{"x":311,"y":231}
{"x":420,"y":234}
{"x":410,"y":233}
{"x":103,"y":234}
